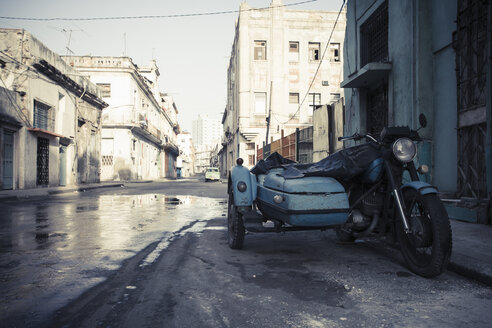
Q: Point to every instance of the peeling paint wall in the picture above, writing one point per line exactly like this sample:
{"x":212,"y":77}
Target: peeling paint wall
{"x":22,"y":53}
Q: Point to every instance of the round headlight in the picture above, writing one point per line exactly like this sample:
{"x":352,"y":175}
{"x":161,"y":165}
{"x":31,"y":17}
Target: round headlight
{"x":404,"y":150}
{"x":241,"y":186}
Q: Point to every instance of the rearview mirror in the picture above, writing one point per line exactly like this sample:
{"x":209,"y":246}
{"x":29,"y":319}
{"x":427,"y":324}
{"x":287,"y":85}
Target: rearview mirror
{"x":422,"y":120}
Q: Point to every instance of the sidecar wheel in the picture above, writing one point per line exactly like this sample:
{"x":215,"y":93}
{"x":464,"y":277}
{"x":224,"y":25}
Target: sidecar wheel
{"x":427,"y":249}
{"x":235,"y":226}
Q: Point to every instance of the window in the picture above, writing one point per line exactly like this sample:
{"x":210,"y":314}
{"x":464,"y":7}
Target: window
{"x":293,"y":105}
{"x":41,"y":112}
{"x":251,"y":159}
{"x":250,"y":146}
{"x":260,"y":50}
{"x":293,"y":51}
{"x":260,"y":102}
{"x":374,"y":37}
{"x":314,"y":101}
{"x":314,"y":51}
{"x":294,"y":98}
{"x":105,"y":89}
{"x":334,"y":97}
{"x":335,"y":52}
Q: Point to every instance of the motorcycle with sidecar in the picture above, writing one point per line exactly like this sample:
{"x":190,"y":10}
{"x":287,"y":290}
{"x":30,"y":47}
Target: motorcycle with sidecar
{"x":370,"y":189}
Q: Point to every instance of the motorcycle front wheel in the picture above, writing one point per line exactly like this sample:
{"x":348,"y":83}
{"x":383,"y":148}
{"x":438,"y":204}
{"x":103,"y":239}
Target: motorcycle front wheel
{"x":427,"y":248}
{"x":235,"y":226}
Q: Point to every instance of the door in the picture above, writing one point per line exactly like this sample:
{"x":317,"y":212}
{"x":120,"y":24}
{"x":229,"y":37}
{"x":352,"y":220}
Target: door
{"x":42,"y":162}
{"x":8,"y":160}
{"x":63,"y":165}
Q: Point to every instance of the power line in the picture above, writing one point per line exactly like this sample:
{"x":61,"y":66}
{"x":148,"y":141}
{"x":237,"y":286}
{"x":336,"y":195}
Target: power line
{"x":151,"y":16}
{"x":317,"y":69}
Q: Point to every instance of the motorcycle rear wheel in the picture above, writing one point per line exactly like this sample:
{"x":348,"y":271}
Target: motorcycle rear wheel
{"x":235,"y":226}
{"x":427,"y":249}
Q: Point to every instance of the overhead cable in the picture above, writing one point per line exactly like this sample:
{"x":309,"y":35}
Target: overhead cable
{"x":150,"y":16}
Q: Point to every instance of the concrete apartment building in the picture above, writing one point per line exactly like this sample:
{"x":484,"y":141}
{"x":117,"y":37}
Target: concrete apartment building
{"x":206,"y":130}
{"x":50,"y":117}
{"x":277,"y":71}
{"x":139,"y":125}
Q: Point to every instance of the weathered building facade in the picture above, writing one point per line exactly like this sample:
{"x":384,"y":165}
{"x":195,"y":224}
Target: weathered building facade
{"x":140,"y":124}
{"x":412,"y":57}
{"x":186,"y":159}
{"x":50,"y":117}
{"x":283,"y":64}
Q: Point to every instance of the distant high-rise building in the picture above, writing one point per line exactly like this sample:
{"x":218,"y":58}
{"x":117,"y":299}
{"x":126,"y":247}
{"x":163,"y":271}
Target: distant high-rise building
{"x":206,"y":131}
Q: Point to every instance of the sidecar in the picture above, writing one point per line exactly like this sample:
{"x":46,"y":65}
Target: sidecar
{"x":307,"y":203}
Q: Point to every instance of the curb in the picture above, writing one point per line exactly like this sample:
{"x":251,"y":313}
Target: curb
{"x":99,"y":187}
{"x":470,"y":273}
{"x":56,"y":192}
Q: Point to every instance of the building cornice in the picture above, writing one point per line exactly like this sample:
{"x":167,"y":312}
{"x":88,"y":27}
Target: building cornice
{"x":67,"y":83}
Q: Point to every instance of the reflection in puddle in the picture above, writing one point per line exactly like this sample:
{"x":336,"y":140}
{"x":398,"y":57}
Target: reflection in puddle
{"x":85,"y":239}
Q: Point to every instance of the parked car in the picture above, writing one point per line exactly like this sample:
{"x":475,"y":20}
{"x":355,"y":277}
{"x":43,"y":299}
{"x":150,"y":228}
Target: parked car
{"x":212,"y":174}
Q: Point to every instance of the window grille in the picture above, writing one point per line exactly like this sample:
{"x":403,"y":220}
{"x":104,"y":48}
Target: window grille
{"x":374,"y":37}
{"x":42,"y":163}
{"x":471,"y":67}
{"x":41,"y":115}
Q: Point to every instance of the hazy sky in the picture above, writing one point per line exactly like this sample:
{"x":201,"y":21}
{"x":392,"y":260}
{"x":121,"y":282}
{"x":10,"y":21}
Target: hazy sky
{"x":192,"y":53}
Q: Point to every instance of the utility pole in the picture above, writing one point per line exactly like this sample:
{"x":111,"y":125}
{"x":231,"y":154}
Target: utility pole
{"x":269,"y":113}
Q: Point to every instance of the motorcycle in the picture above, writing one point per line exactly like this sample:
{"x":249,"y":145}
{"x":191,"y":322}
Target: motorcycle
{"x":359,"y":191}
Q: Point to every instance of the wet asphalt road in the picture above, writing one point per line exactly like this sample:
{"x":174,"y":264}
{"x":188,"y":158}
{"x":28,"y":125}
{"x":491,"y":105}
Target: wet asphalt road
{"x":156,"y":255}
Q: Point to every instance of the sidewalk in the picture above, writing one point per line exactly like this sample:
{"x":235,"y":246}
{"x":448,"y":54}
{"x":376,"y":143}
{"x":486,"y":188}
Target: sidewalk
{"x":472,"y":251}
{"x":472,"y":242}
{"x":43,"y":192}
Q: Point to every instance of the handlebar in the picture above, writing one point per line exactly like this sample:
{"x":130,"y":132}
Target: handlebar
{"x":387,"y":132}
{"x":356,"y":136}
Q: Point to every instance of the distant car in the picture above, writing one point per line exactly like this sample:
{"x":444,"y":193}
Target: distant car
{"x":212,"y":174}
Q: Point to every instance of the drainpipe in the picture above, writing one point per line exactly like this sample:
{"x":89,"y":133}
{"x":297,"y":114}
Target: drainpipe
{"x":488,"y":137}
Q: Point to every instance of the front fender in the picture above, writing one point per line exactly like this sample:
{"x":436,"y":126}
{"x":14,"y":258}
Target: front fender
{"x":240,"y":173}
{"x":422,"y":187}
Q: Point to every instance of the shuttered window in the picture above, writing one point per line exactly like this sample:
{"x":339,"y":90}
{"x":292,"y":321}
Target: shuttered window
{"x":41,"y":112}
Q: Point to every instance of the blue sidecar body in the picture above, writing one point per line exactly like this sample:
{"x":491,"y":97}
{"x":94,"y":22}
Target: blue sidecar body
{"x":307,"y":201}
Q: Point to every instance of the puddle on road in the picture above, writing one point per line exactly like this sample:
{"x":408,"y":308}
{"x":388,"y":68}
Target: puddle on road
{"x":50,"y":245}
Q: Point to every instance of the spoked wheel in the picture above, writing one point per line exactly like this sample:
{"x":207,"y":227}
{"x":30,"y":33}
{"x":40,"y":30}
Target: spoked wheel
{"x":235,"y":226}
{"x":427,"y":248}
